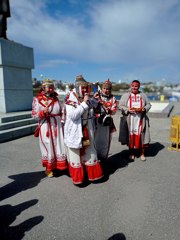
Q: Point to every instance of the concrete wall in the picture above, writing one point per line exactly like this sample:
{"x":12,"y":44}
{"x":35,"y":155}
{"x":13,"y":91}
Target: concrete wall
{"x":16,"y":64}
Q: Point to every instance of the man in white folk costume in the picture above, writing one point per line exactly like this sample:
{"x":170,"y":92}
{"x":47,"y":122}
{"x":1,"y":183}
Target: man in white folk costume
{"x":107,"y":107}
{"x":79,"y":133}
{"x":47,"y":110}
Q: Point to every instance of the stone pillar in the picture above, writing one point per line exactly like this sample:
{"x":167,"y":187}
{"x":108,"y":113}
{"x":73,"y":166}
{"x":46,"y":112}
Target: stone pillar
{"x":16,"y":64}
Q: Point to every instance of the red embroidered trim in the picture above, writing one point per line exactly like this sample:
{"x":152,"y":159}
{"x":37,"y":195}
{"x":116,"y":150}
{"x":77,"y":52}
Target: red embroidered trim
{"x":61,"y":165}
{"x":71,"y":103}
{"x":94,"y":172}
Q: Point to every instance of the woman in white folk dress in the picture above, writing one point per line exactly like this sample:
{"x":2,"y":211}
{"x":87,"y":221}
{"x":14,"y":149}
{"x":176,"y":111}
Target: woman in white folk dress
{"x":46,"y":109}
{"x":79,"y":134}
{"x":134,"y":127}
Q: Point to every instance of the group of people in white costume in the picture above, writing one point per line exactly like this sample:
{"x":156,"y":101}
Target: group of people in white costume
{"x":77,"y":135}
{"x":79,"y":140}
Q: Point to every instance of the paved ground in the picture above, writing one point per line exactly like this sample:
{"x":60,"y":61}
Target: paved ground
{"x":136,"y":201}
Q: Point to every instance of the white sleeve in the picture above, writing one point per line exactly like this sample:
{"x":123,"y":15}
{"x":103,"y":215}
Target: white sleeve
{"x":76,"y":113}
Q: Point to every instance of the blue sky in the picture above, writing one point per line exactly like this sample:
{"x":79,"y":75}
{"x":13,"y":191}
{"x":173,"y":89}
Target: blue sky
{"x":116,"y":39}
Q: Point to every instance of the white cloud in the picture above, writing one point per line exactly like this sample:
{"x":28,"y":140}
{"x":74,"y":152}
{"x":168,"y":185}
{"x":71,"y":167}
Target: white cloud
{"x":117,"y":32}
{"x":55,"y":62}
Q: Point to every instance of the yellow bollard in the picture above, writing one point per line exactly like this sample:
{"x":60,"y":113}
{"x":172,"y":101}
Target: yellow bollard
{"x":175,"y":133}
{"x":162,"y":98}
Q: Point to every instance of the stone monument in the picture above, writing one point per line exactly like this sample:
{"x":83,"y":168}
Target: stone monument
{"x":4,"y":14}
{"x":16,"y":64}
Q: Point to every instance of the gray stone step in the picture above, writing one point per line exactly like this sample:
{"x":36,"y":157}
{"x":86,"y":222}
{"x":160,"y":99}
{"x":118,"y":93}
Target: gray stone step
{"x":17,"y":123}
{"x":14,"y":133}
{"x":14,"y":116}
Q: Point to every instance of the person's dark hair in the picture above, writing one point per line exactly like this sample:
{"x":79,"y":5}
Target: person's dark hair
{"x":137,"y":81}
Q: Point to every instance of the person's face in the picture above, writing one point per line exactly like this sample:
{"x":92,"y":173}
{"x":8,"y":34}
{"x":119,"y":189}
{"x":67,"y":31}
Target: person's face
{"x":49,"y":89}
{"x":135,"y":87}
{"x":106,"y":91}
{"x":84,"y":90}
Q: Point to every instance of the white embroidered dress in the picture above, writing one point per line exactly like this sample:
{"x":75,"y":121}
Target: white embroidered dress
{"x":135,"y":101}
{"x":80,"y":158}
{"x":51,"y":139}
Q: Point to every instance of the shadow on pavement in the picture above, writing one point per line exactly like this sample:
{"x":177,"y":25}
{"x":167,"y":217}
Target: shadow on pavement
{"x":121,"y":160}
{"x":58,"y":173}
{"x":21,"y":183}
{"x":116,"y":161}
{"x":117,"y":236}
{"x":8,"y":215}
{"x":153,"y":149}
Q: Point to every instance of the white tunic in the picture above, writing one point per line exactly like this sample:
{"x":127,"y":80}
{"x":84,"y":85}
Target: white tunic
{"x":79,"y":115}
{"x":51,"y":134}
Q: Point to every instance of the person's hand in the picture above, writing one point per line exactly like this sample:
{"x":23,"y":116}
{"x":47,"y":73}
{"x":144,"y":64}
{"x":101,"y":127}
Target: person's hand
{"x":96,"y":95}
{"x":138,"y":110}
{"x":46,"y":110}
{"x":86,"y":98}
{"x":107,"y":110}
{"x":143,"y":109}
{"x":132,"y":110}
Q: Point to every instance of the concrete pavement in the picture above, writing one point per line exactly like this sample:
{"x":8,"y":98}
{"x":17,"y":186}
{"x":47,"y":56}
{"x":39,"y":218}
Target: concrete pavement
{"x":136,"y":201}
